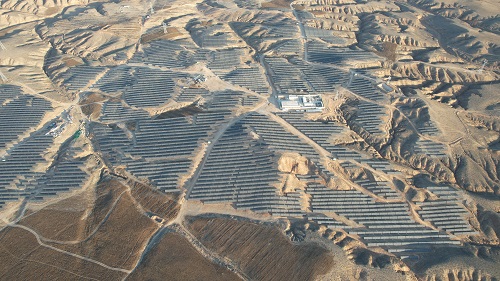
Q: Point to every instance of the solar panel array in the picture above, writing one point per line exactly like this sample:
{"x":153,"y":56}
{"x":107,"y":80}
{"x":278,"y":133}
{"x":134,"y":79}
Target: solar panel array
{"x":322,"y":53}
{"x":191,"y":94}
{"x":166,"y":137}
{"x":141,"y":86}
{"x":160,"y":151}
{"x":166,"y":53}
{"x":114,"y":111}
{"x":164,"y":174}
{"x":285,"y":76}
{"x":80,"y":76}
{"x":256,"y":33}
{"x":212,"y":36}
{"x":20,"y":177}
{"x":289,"y":47}
{"x":323,"y":34}
{"x":229,"y":176}
{"x":19,"y":164}
{"x":68,"y":174}
{"x":430,"y":148}
{"x":241,"y":168}
{"x":365,"y":88}
{"x":429,"y":128}
{"x":294,"y":75}
{"x":228,"y":65}
{"x":151,"y":87}
{"x":19,"y":113}
{"x":115,"y":80}
{"x":322,"y":133}
{"x":277,"y":137}
{"x":226,"y":60}
{"x":387,"y":225}
{"x":251,"y":78}
{"x":369,"y":116}
{"x":423,"y":124}
{"x":323,"y":79}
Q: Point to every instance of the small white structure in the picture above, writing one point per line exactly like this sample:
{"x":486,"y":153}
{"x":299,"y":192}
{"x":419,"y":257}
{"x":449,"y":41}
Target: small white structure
{"x":301,"y":102}
{"x":484,"y":64}
{"x":199,"y":78}
{"x":287,"y":105}
{"x":3,"y":77}
{"x":385,"y":87}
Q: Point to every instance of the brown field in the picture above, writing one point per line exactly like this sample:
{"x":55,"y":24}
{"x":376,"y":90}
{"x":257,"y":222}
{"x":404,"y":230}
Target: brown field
{"x":63,"y":220}
{"x":51,"y":10}
{"x":71,"y":62}
{"x":172,"y":32}
{"x":92,"y":111}
{"x":22,"y":258}
{"x":176,"y":258}
{"x":111,"y":230}
{"x":261,"y":252}
{"x":277,"y":4}
{"x":189,"y":110}
{"x":388,"y":51}
{"x":58,"y":221}
{"x":119,"y":241}
{"x":154,"y":201}
{"x":90,"y":106}
{"x":318,"y":13}
{"x":92,"y":98}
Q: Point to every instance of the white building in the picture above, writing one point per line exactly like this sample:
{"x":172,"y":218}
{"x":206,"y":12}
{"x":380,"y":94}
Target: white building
{"x":301,"y":102}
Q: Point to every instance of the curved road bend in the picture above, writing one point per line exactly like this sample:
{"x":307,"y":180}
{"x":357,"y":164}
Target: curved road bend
{"x":66,"y":252}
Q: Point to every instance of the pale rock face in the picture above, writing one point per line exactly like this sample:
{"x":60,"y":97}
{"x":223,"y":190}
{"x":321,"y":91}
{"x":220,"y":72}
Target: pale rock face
{"x":294,"y":163}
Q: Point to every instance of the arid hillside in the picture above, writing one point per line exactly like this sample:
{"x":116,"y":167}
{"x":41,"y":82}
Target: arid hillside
{"x":249,"y":140}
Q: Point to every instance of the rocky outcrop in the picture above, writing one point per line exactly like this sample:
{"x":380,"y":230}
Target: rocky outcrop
{"x":460,"y":11}
{"x":354,"y":9}
{"x":469,"y":274}
{"x":485,"y":121}
{"x":295,"y":163}
{"x":441,"y":73}
{"x":40,"y":7}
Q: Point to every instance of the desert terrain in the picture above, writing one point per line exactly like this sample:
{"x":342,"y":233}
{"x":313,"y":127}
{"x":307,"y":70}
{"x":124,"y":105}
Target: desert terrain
{"x":250,"y":140}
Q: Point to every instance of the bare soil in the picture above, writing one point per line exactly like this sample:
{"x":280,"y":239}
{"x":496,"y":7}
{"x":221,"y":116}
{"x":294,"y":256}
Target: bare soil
{"x":91,"y":110}
{"x":176,"y":258}
{"x":262,"y":252}
{"x":388,"y":51}
{"x":277,"y":4}
{"x":172,"y":33}
{"x":112,"y":229}
{"x":120,"y":239}
{"x":156,"y":202}
{"x":92,"y":98}
{"x":56,"y":221}
{"x":24,"y":259}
